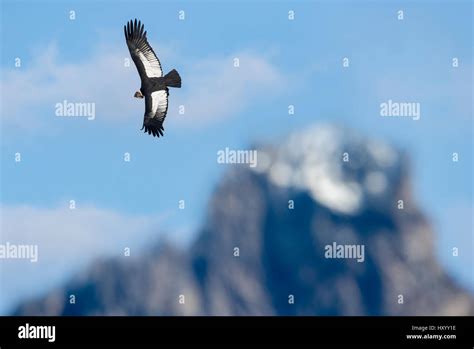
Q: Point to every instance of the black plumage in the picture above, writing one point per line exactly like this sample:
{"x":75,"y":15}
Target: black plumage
{"x":154,"y":86}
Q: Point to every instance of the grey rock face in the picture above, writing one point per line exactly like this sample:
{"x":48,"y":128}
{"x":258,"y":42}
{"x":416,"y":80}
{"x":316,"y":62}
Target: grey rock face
{"x":262,"y":250}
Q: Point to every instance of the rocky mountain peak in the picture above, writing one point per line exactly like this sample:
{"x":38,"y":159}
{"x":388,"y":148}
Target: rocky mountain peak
{"x":316,"y":228}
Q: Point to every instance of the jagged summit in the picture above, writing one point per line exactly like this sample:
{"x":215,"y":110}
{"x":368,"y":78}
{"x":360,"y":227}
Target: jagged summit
{"x":341,"y":169}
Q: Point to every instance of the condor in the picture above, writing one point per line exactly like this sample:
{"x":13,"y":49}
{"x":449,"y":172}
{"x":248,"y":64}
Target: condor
{"x":154,"y":86}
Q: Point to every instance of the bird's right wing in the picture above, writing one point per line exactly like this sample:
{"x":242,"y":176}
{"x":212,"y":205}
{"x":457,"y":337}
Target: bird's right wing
{"x":156,"y":108}
{"x":143,"y":56}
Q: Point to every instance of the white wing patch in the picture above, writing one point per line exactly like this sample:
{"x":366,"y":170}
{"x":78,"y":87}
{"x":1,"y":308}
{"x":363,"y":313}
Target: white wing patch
{"x":159,"y":102}
{"x":151,"y":64}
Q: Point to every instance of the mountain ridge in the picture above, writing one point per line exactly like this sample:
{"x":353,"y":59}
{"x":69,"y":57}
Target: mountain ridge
{"x":261,"y":250}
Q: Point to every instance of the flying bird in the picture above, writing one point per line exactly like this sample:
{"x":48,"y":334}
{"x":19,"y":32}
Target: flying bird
{"x":154,"y":86}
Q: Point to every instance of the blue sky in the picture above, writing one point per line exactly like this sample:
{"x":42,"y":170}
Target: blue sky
{"x":282,"y":62}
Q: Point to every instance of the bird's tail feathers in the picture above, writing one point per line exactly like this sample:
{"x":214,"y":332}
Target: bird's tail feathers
{"x":172,"y":79}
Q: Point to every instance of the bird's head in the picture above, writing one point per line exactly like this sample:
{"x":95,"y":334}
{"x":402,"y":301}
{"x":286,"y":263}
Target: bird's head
{"x":138,"y":94}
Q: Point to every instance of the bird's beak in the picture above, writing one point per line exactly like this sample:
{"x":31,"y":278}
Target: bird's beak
{"x":138,"y":94}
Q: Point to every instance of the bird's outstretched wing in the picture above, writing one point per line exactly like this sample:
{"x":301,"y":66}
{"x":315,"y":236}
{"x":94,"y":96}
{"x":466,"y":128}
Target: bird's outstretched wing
{"x":156,"y":107}
{"x":145,"y":59}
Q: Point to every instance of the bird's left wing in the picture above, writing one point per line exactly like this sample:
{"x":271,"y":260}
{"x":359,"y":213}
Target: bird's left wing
{"x":148,"y":65}
{"x":156,"y":107}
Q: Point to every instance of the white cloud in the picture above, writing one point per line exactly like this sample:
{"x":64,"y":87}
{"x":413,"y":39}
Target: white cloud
{"x":29,"y":92}
{"x":212,"y":90}
{"x":67,"y":241}
{"x":216,"y":89}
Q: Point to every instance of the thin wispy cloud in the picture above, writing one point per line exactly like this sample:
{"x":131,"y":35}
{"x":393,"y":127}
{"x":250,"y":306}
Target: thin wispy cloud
{"x":67,"y":240}
{"x":219,"y":90}
{"x":32,"y":91}
{"x":213,"y":88}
